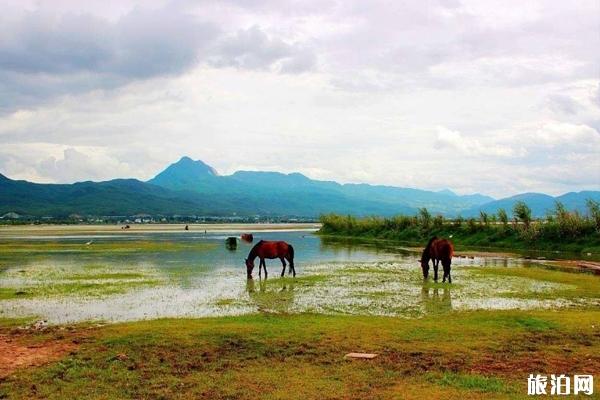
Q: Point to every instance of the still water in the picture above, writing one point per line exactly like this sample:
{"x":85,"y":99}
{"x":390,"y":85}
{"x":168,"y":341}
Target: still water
{"x":63,"y":284}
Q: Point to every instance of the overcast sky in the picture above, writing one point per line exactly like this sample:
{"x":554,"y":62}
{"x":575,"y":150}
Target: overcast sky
{"x":497,"y":97}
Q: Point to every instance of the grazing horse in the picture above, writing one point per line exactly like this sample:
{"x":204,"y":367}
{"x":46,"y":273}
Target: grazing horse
{"x":247,"y":237}
{"x":270,"y":250}
{"x":437,"y":250}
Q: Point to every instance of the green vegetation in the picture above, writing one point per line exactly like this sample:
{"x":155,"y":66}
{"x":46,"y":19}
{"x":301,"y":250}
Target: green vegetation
{"x":474,"y":355}
{"x":560,"y":230}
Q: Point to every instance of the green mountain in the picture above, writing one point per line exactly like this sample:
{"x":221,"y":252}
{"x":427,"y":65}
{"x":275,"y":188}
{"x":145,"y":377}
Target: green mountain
{"x":116,"y":197}
{"x":190,"y":187}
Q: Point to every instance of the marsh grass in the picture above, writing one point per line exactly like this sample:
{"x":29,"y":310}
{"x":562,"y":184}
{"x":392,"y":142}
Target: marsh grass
{"x":79,"y":289}
{"x":574,"y":286}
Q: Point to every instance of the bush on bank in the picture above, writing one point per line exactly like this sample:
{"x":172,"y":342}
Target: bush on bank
{"x":559,"y":230}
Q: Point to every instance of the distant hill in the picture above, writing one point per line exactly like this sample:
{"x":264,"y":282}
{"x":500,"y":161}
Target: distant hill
{"x":116,"y":197}
{"x":540,"y":204}
{"x":190,"y":187}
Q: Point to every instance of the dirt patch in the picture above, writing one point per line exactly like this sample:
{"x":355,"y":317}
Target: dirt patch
{"x":14,"y":354}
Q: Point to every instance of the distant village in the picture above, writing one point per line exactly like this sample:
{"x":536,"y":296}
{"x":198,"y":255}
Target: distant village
{"x":13,"y":218}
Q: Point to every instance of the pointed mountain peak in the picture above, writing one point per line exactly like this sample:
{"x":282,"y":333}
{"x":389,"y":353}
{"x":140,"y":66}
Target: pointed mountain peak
{"x":184,"y":174}
{"x":189,"y":165}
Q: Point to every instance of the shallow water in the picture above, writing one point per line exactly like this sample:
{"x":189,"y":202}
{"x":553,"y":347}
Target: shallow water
{"x":80,"y":284}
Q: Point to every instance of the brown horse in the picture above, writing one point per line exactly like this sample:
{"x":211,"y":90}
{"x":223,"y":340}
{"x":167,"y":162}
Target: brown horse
{"x":270,"y":250}
{"x":437,"y":250}
{"x":247,"y":237}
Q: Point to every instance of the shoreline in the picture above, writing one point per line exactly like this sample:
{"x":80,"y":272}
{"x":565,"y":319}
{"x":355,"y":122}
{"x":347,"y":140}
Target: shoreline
{"x":49,"y":229}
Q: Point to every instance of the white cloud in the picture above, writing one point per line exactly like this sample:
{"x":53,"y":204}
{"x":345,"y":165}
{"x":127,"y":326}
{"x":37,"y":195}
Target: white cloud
{"x":473,"y":95}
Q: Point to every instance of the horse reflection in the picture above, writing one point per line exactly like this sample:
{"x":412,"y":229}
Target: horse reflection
{"x":433,"y":303}
{"x":271,"y":295}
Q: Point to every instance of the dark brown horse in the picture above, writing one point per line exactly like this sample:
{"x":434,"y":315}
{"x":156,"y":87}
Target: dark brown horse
{"x":437,"y":250}
{"x":270,"y":250}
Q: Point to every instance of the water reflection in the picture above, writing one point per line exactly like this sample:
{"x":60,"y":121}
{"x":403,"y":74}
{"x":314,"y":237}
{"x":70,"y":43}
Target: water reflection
{"x":433,"y":303}
{"x":273,"y":295}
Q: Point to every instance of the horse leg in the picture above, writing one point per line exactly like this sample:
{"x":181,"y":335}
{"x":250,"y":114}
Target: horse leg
{"x":446,"y":265}
{"x":435,"y":269}
{"x":264,"y":263}
{"x":282,"y":263}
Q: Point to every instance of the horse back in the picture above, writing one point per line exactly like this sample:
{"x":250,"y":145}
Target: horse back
{"x":272,"y":249}
{"x":442,"y":249}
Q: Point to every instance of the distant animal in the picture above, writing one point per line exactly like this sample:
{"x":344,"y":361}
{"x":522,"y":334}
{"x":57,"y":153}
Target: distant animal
{"x":247,"y":237}
{"x":187,"y":228}
{"x":267,"y":249}
{"x":231,"y":243}
{"x":125,"y":227}
{"x":437,"y":250}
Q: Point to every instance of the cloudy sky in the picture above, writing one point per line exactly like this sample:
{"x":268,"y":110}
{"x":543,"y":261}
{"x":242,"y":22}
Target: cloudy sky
{"x":497,"y":97}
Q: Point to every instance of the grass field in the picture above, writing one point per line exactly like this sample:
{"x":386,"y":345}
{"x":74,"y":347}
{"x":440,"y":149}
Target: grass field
{"x":466,"y":355}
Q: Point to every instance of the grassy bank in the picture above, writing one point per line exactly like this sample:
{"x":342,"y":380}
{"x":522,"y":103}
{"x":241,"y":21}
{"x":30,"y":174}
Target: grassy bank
{"x":561,"y":230}
{"x":468,"y":355}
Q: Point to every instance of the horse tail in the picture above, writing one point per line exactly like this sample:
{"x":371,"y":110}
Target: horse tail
{"x":291,"y":253}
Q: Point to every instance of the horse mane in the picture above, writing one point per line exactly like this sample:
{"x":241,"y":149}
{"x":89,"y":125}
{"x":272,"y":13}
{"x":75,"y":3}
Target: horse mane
{"x":430,"y":242}
{"x":254,"y":250}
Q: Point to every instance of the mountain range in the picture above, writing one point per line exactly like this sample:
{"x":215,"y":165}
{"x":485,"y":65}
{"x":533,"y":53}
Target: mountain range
{"x":190,"y":187}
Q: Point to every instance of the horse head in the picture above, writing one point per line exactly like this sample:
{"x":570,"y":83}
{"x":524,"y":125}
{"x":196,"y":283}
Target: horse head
{"x":249,"y":267}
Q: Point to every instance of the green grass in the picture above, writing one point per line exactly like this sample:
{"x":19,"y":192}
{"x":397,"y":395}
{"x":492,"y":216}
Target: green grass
{"x":475,"y":355}
{"x":469,"y":382}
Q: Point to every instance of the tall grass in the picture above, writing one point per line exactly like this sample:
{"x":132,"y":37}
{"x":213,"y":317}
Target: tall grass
{"x":561,"y":229}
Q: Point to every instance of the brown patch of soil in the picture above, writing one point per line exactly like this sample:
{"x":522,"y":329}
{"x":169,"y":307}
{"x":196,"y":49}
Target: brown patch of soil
{"x":15,"y":354}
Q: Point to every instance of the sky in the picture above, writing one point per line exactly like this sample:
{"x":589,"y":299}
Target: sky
{"x":495,"y":97}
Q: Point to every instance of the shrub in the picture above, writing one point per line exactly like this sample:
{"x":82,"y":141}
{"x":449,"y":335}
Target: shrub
{"x":458,"y":221}
{"x":471,"y":225}
{"x":594,"y":212}
{"x":483,"y":218}
{"x":522,"y":212}
{"x":503,"y":217}
{"x":424,"y":218}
